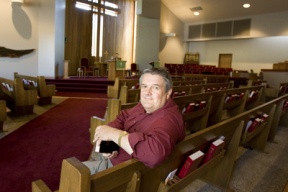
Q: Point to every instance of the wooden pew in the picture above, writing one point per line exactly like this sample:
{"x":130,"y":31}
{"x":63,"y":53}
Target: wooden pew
{"x":217,"y":106}
{"x":45,"y":92}
{"x":210,"y":87}
{"x":18,"y":100}
{"x":132,"y":175}
{"x":209,"y":78}
{"x":273,"y":92}
{"x":3,"y":114}
{"x":113,"y":91}
{"x":197,"y":118}
{"x":129,"y":95}
{"x":280,"y":117}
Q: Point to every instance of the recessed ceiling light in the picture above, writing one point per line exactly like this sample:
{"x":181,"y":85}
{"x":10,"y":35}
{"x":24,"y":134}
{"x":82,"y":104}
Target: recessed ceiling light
{"x":246,"y":5}
{"x":196,"y":13}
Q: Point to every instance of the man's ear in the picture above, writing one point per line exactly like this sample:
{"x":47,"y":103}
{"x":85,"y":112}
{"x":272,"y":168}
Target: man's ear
{"x":169,"y":93}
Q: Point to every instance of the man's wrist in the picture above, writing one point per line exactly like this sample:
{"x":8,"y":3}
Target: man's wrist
{"x":122,"y":133}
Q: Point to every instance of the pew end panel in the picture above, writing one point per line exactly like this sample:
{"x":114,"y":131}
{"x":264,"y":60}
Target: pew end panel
{"x":112,"y":90}
{"x":217,"y":107}
{"x":114,"y":106}
{"x":45,"y":91}
{"x":123,"y":177}
{"x":79,"y":176}
{"x":283,"y":121}
{"x":129,"y":95}
{"x":280,"y":117}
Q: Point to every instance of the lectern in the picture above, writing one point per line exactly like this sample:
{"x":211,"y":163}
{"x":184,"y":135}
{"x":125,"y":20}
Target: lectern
{"x":116,"y":68}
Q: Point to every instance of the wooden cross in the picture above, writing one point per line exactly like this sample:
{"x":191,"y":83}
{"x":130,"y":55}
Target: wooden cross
{"x":106,"y":54}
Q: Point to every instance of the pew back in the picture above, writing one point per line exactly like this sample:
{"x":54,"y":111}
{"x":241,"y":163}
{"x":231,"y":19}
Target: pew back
{"x":19,"y":100}
{"x":45,"y":92}
{"x":113,"y":91}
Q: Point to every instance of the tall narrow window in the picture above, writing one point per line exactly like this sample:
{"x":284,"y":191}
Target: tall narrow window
{"x":99,"y":9}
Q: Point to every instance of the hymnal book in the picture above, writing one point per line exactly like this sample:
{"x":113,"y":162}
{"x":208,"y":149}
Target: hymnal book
{"x":183,"y":93}
{"x":175,"y":94}
{"x":190,"y":164}
{"x":252,"y":124}
{"x":202,"y":105}
{"x":264,"y":116}
{"x":189,"y":108}
{"x":253,"y":94}
{"x":214,"y":149}
{"x":227,"y":99}
{"x":106,"y":147}
{"x":170,"y":176}
{"x":285,"y":105}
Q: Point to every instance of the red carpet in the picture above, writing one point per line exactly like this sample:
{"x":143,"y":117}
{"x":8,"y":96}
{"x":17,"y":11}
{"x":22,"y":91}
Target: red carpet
{"x":36,"y":150}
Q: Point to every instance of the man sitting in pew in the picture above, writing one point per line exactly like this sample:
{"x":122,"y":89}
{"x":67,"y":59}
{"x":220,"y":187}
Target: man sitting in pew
{"x":148,"y":132}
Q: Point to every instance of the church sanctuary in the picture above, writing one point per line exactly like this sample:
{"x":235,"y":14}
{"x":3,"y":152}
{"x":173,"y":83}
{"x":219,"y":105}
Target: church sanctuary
{"x":69,"y":66}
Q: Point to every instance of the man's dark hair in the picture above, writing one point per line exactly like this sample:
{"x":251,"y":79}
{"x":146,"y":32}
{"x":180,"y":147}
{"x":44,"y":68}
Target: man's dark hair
{"x":163,"y":73}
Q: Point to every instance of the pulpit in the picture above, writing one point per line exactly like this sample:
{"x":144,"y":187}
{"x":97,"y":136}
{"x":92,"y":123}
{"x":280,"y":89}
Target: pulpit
{"x":116,"y":68}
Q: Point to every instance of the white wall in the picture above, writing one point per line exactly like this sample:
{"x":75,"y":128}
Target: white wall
{"x":172,"y":49}
{"x":256,"y":54}
{"x":32,"y":26}
{"x":19,"y":31}
{"x":267,"y":45}
{"x":147,"y":41}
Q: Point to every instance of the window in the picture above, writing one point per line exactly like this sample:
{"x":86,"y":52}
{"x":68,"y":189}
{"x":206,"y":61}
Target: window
{"x":99,"y":8}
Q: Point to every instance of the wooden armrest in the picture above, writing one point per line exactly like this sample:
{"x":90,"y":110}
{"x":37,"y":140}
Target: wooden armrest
{"x":75,"y":176}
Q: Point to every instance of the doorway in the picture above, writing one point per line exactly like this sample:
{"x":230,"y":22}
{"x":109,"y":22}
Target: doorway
{"x":225,"y":60}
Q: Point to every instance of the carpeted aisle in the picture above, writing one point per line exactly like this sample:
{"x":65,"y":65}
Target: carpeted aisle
{"x":36,"y":150}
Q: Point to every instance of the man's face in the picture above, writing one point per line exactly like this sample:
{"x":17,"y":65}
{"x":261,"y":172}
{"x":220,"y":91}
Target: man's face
{"x":153,"y":95}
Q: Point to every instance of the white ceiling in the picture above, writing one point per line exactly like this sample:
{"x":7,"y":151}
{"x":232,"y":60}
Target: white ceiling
{"x":217,"y":10}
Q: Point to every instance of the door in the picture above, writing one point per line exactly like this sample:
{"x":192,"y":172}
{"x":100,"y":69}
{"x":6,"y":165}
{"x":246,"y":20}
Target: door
{"x":225,"y":60}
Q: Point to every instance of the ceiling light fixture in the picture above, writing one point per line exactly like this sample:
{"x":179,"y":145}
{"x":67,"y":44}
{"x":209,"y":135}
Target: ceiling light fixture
{"x":196,"y":10}
{"x":246,"y":5}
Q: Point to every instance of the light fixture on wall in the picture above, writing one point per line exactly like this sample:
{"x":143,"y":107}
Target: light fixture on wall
{"x":170,"y":34}
{"x":20,"y":2}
